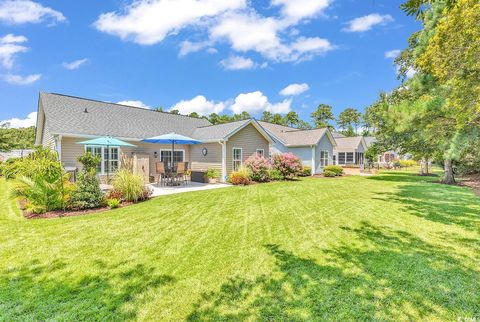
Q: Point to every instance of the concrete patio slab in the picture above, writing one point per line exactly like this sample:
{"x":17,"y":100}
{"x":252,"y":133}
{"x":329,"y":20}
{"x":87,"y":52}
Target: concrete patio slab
{"x":191,"y":186}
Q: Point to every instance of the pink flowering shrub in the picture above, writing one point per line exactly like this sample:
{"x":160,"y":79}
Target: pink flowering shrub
{"x":259,"y":167}
{"x":288,"y":164}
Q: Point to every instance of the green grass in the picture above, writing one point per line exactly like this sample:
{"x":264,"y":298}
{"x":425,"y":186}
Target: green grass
{"x":391,"y":247}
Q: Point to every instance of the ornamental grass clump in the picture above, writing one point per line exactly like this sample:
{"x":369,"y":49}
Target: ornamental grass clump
{"x":259,"y":168}
{"x":288,"y":164}
{"x":241,"y":176}
{"x":129,"y":184}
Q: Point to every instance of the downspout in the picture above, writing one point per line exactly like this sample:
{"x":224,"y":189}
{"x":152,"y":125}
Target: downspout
{"x":314,"y":168}
{"x":223,"y":143}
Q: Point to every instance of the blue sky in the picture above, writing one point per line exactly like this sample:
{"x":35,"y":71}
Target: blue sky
{"x":200,"y":55}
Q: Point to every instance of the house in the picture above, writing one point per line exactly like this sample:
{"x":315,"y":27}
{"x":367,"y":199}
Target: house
{"x":389,"y":156}
{"x":350,"y":151}
{"x":314,"y":146}
{"x":63,"y":121}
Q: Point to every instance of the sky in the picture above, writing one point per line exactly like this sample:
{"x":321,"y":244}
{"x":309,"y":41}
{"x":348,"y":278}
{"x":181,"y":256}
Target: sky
{"x":222,"y":56}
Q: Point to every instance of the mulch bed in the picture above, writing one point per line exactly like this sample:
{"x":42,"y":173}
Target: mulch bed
{"x":68,"y":213}
{"x":472,"y":181}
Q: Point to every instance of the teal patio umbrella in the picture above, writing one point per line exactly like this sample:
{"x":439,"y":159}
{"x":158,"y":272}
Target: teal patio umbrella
{"x":108,"y":142}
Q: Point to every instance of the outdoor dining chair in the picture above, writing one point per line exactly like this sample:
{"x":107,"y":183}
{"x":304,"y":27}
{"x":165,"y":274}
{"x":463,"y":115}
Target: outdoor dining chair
{"x":160,"y":172}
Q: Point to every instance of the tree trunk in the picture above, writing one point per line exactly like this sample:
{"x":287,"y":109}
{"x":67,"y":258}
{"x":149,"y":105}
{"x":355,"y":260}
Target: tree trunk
{"x":448,"y":172}
{"x":426,"y":164}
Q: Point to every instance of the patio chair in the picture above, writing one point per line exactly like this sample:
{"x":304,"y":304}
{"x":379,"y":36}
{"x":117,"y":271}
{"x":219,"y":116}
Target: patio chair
{"x":180,"y":173}
{"x":160,"y":172}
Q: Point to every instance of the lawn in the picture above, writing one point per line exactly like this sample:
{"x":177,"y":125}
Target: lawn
{"x":391,"y":247}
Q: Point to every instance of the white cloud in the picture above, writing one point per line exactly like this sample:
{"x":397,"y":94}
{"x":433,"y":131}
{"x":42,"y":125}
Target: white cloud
{"x":26,"y":11}
{"x":294,"y":89}
{"x":256,"y":102}
{"x":200,"y":105}
{"x":366,"y":23}
{"x":134,"y":104}
{"x":9,"y":48}
{"x":251,"y":32}
{"x":75,"y":64}
{"x":21,"y":80}
{"x":297,"y":10}
{"x":237,"y":63}
{"x":29,"y":121}
{"x":392,"y":53}
{"x":148,"y":22}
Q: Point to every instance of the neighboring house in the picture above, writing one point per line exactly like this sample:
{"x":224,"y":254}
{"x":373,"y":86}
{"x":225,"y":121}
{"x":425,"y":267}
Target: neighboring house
{"x":4,"y":156}
{"x":314,"y":147}
{"x":350,"y":151}
{"x":388,"y":156}
{"x":64,"y":121}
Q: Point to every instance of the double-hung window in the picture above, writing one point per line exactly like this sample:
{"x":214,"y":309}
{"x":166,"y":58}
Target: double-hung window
{"x":237,"y":158}
{"x":166,"y":157}
{"x":341,"y":157}
{"x":323,"y":158}
{"x":349,"y":157}
{"x":260,"y":153}
{"x":110,"y":157}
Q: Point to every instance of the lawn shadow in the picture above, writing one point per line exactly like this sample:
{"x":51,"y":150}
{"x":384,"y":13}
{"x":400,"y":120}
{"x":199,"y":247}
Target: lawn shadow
{"x":394,"y":275}
{"x":42,"y":292}
{"x":404,"y":177}
{"x":444,"y":204}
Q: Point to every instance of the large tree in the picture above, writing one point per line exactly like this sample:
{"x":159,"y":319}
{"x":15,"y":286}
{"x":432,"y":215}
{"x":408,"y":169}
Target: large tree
{"x":322,"y":116}
{"x":349,"y":121}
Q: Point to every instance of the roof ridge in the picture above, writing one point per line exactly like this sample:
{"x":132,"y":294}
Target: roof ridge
{"x":301,"y":130}
{"x":199,"y":127}
{"x":123,"y":105}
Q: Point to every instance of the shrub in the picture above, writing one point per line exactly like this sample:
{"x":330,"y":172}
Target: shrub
{"x":113,"y":203}
{"x":328,"y":173}
{"x":288,"y":164}
{"x":274,"y":174}
{"x":129,"y":184}
{"x":338,"y":170}
{"x":307,"y":171}
{"x":212,"y":173}
{"x":88,"y":194}
{"x":146,"y":193}
{"x":241,"y":176}
{"x":114,"y":194}
{"x":259,"y":168}
{"x":407,"y":163}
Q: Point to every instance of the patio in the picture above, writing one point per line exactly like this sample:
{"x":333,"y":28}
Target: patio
{"x":191,"y":186}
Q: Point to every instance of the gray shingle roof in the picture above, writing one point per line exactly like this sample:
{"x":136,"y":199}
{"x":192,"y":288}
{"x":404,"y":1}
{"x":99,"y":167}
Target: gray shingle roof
{"x":349,"y":143}
{"x":218,"y":131}
{"x":337,"y":135}
{"x":369,"y":140}
{"x":66,"y":115}
{"x":294,"y":137}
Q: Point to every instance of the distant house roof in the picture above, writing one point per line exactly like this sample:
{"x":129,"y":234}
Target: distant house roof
{"x":296,"y":137}
{"x":369,"y":140}
{"x":349,"y":143}
{"x":79,"y":116}
{"x":337,"y":135}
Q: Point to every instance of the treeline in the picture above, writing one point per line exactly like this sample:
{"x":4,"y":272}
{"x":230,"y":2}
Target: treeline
{"x":435,"y":114}
{"x":16,"y":139}
{"x":350,"y":122}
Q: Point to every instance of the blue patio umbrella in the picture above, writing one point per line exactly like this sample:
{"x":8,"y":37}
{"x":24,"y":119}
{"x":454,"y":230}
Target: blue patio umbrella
{"x":172,"y":138}
{"x":108,"y":142}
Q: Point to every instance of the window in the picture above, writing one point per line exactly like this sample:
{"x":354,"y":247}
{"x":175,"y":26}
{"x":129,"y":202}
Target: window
{"x":237,"y":158}
{"x":341,"y":157}
{"x":260,"y":153}
{"x":334,"y":159}
{"x":323,"y":158}
{"x":109,"y":158}
{"x":166,"y":157}
{"x":349,"y":157}
{"x":359,"y":157}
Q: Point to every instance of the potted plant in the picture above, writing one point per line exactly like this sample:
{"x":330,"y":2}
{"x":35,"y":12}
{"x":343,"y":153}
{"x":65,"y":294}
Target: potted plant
{"x":212,"y":175}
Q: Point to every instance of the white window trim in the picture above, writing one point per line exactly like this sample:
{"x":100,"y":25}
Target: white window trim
{"x":345,"y":158}
{"x":102,"y":165}
{"x":263,"y":152}
{"x":233,"y":157}
{"x":325,"y":160}
{"x":170,"y":150}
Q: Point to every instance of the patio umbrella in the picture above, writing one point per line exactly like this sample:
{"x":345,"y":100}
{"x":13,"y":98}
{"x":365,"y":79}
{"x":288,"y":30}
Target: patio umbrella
{"x":108,"y":142}
{"x":172,"y":138}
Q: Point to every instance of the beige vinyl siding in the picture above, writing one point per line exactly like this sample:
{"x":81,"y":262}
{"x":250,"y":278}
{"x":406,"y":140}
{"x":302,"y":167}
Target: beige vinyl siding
{"x":213,"y":159}
{"x":249,"y":140}
{"x":71,"y":150}
{"x":48,"y":141}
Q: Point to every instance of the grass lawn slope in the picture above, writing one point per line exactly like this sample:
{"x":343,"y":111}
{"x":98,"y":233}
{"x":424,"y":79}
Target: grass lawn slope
{"x":391,"y":247}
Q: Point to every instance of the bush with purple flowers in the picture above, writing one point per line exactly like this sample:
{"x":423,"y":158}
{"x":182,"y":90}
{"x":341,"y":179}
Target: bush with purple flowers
{"x":259,"y":168}
{"x":288,"y":164}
